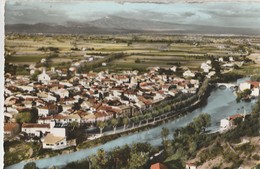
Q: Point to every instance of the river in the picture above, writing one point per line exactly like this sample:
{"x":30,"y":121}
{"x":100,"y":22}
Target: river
{"x":221,"y":104}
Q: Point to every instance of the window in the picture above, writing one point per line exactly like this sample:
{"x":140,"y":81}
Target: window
{"x":61,"y":143}
{"x":57,"y":144}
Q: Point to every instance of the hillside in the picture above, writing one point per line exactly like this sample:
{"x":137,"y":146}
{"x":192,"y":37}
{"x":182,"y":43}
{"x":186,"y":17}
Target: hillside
{"x":117,"y":25}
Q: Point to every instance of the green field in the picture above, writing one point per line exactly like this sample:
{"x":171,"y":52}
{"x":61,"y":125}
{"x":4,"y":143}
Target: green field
{"x":150,"y":51}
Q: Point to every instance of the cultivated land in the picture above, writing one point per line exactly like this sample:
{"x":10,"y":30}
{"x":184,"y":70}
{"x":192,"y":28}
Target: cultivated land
{"x":141,"y":51}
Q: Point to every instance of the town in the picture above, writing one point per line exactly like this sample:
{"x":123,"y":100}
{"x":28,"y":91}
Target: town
{"x":41,"y":108}
{"x":84,"y":99}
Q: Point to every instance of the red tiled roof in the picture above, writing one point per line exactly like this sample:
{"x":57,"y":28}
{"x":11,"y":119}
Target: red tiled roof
{"x":235,"y":116}
{"x":35,"y":125}
{"x":254,"y":84}
{"x":191,"y":164}
{"x":158,"y":166}
{"x":10,"y":126}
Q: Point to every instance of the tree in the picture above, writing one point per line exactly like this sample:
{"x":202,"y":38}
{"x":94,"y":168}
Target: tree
{"x":129,"y":43}
{"x":155,"y":114}
{"x":164,"y":133}
{"x":125,"y":122}
{"x":23,"y":117}
{"x":100,"y":160}
{"x":34,"y":115}
{"x":168,"y":148}
{"x":201,"y":122}
{"x":138,"y":160}
{"x":74,"y":125}
{"x":30,"y":165}
{"x":215,"y":65}
{"x":101,"y":125}
{"x":147,"y":116}
{"x":114,"y":123}
{"x":137,"y":60}
{"x":176,"y":133}
{"x":135,"y":120}
{"x":140,"y":118}
{"x":121,"y":156}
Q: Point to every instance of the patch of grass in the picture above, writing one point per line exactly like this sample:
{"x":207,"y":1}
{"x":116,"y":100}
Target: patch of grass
{"x":23,"y":59}
{"x":17,"y":151}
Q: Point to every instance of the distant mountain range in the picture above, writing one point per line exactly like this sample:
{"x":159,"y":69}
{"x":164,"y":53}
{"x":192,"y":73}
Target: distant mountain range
{"x":117,"y":25}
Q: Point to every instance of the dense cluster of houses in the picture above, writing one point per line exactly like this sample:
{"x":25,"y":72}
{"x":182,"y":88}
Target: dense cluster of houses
{"x":85,"y":98}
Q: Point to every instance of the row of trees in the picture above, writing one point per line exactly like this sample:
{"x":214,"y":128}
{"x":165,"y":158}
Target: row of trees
{"x":126,"y":157}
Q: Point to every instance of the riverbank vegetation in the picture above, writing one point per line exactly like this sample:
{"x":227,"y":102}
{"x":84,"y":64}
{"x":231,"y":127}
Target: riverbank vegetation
{"x":190,"y":143}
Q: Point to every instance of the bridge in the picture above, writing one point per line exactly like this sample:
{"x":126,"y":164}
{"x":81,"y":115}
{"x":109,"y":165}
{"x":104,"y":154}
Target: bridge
{"x":227,"y":85}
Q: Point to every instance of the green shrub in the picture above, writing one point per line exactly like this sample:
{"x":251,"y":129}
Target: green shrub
{"x":256,"y":157}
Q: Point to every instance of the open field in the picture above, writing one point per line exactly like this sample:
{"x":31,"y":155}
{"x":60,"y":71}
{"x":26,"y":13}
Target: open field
{"x":142,"y":51}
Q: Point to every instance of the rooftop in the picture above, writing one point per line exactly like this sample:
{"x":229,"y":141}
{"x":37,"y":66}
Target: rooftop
{"x":158,"y":166}
{"x":51,"y":139}
{"x":35,"y":125}
{"x":10,"y":126}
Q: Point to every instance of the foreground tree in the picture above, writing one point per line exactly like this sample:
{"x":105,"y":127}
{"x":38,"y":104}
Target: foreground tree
{"x":164,"y":133}
{"x":120,"y":156}
{"x":202,"y":122}
{"x":138,"y":160}
{"x":31,"y":165}
{"x":100,"y":160}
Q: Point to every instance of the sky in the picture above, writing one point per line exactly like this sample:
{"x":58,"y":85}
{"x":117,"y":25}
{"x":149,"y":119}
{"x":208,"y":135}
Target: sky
{"x":227,"y":14}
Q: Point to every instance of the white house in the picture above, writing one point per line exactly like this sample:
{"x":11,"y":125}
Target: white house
{"x":221,"y":60}
{"x":60,"y":119}
{"x":50,"y":141}
{"x":174,"y":68}
{"x":56,"y":139}
{"x":255,"y":92}
{"x":188,"y":73}
{"x":245,"y":85}
{"x":26,"y":88}
{"x":191,"y":166}
{"x":47,"y":110}
{"x":205,"y":67}
{"x":43,"y":60}
{"x":224,"y":124}
{"x":44,"y":77}
{"x":62,"y":93}
{"x":210,"y":74}
{"x":208,"y":62}
{"x":227,"y":123}
{"x":35,"y":129}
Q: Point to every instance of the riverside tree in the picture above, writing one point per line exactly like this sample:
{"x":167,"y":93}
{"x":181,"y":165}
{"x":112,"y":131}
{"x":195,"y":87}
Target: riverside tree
{"x":101,"y":125}
{"x":114,"y":123}
{"x":125,"y":122}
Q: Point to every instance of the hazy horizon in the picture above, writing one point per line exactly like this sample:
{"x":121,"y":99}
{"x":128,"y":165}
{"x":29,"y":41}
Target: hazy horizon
{"x":222,"y":14}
